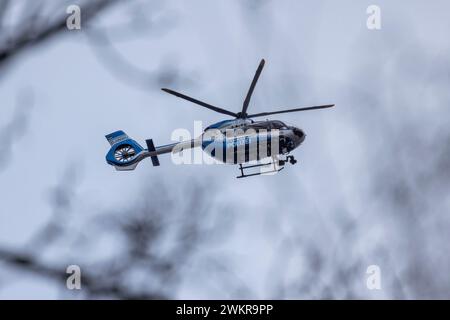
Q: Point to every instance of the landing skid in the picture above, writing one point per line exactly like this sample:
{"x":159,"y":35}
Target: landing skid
{"x":275,"y":163}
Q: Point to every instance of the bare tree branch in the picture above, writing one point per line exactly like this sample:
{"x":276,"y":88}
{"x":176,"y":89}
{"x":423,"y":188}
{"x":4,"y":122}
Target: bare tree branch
{"x":91,"y":285}
{"x":32,"y":31}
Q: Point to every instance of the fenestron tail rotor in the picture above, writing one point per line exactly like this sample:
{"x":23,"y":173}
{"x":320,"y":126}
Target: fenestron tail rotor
{"x":124,"y":153}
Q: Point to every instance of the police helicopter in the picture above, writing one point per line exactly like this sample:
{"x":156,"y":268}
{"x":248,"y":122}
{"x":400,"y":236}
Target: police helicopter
{"x":240,"y":140}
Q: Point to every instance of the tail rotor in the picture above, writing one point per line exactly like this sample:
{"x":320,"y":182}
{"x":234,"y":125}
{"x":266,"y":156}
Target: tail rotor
{"x":125,"y":153}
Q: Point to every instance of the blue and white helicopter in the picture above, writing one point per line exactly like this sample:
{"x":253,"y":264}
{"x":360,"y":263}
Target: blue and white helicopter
{"x":240,"y":140}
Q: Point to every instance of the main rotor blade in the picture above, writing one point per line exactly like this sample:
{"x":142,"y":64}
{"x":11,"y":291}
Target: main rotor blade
{"x":290,"y":110}
{"x":250,"y":90}
{"x":203,"y":104}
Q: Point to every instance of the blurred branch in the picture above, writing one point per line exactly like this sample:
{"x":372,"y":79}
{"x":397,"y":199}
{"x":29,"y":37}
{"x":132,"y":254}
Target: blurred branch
{"x":3,"y":7}
{"x":62,"y":197}
{"x":28,"y":263}
{"x":167,"y":74}
{"x":153,"y":238}
{"x":31,"y":30}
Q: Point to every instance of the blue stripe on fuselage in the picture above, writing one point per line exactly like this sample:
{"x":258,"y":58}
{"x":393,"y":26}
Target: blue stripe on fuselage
{"x":235,"y":145}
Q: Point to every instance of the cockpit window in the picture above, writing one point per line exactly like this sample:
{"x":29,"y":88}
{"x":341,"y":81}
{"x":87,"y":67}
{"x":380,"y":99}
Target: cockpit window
{"x":276,"y":124}
{"x":267,"y":125}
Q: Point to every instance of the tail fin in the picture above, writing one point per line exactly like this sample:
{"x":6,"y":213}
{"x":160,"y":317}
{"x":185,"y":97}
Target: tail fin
{"x":125,"y":153}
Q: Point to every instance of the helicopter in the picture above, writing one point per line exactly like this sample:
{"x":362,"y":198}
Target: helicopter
{"x":240,"y":140}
